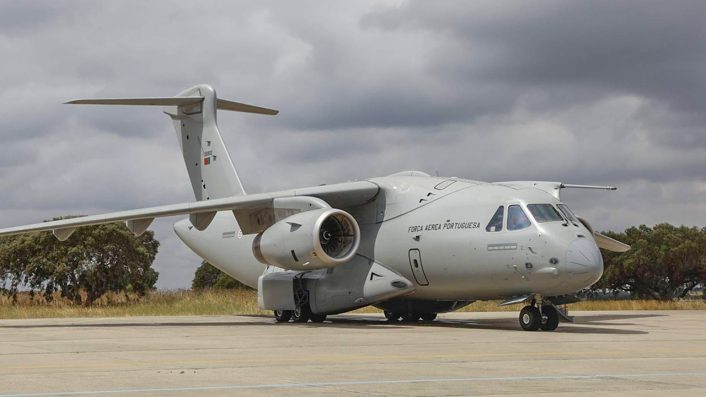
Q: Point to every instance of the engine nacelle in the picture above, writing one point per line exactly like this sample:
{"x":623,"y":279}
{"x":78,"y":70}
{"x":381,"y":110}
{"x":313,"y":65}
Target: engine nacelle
{"x":315,"y":239}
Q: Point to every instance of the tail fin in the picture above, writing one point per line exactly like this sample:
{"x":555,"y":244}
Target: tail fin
{"x":193,"y":113}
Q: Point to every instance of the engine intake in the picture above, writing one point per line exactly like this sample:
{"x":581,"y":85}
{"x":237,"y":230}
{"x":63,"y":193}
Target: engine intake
{"x":315,"y":239}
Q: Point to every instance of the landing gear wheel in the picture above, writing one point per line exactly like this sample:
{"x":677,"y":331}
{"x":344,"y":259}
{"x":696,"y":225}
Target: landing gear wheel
{"x":283,"y":316}
{"x":410,"y":317}
{"x":530,"y":319}
{"x":429,"y":316}
{"x":391,"y":316}
{"x":301,"y":314}
{"x":317,"y":318}
{"x":550,"y":318}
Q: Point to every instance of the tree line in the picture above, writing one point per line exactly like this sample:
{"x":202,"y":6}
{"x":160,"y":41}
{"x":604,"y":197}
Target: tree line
{"x":665,"y":262}
{"x":93,"y":261}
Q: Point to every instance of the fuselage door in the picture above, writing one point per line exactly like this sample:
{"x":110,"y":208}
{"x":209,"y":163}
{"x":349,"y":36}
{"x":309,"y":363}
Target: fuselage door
{"x":415,"y":261}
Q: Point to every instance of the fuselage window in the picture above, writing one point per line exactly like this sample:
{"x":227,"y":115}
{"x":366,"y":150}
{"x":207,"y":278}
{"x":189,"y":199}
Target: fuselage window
{"x":516,"y":218}
{"x":544,"y":213}
{"x":568,"y":213}
{"x":496,"y":222}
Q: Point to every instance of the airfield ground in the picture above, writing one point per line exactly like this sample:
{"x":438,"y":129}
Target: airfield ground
{"x":603,"y":353}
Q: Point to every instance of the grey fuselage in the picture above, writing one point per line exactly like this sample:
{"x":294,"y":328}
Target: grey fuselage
{"x":432,"y":231}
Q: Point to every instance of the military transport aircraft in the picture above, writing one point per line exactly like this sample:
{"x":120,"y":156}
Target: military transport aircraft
{"x":411,"y":244}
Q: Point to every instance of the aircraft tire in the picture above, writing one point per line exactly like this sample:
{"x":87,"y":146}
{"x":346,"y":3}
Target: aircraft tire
{"x":301,"y":314}
{"x":317,"y":318}
{"x":410,"y":317}
{"x":428,"y":316}
{"x":283,"y":316}
{"x":552,"y":320}
{"x":391,"y":316}
{"x":530,"y":319}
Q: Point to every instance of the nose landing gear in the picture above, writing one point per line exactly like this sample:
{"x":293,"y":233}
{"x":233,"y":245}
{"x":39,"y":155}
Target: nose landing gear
{"x":530,"y":318}
{"x":534,"y":317}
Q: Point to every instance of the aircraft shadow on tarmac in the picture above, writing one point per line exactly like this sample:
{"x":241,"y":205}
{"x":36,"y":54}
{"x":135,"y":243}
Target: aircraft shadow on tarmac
{"x":585,"y":324}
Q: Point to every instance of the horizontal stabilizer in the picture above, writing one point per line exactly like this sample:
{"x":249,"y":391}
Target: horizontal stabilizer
{"x":243,"y":107}
{"x":175,"y":101}
{"x":168,"y":101}
{"x":572,"y":186}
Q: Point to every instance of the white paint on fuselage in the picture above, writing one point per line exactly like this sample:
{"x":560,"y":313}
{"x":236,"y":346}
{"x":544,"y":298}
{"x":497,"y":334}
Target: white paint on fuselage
{"x":460,"y":259}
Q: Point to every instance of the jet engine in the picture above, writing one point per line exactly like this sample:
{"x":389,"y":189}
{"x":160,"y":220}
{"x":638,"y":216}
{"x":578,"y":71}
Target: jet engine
{"x":316,"y":239}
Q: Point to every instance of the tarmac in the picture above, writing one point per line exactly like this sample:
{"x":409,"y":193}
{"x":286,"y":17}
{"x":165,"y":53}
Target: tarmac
{"x":602,"y":353}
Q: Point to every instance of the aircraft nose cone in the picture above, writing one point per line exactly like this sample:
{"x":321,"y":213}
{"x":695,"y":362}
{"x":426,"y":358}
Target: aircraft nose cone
{"x":584,"y":261}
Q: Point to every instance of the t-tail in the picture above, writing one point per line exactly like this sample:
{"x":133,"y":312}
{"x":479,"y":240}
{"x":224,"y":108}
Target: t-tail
{"x":193,"y":112}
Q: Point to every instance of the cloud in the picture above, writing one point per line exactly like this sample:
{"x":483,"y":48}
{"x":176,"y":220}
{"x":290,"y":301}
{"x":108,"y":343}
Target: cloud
{"x":603,"y":92}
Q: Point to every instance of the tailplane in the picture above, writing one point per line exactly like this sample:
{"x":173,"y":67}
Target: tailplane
{"x":193,"y":113}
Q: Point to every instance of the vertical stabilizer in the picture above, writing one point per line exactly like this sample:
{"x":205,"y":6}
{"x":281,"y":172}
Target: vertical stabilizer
{"x":209,"y":165}
{"x":193,"y":112}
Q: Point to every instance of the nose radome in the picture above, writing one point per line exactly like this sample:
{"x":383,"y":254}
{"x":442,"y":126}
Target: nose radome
{"x":584,"y":261}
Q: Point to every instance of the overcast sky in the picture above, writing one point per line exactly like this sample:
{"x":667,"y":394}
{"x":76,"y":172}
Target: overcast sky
{"x":600,"y":92}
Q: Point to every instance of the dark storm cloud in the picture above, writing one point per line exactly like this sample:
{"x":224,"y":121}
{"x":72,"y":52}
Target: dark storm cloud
{"x":581,"y":92}
{"x":568,"y":52}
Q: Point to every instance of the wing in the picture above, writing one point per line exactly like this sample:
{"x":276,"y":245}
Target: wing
{"x":610,"y":244}
{"x":254,"y":212}
{"x":552,"y":188}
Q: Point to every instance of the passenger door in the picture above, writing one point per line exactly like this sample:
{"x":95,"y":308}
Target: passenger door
{"x":415,"y":261}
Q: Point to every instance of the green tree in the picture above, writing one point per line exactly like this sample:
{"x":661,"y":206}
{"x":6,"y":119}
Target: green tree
{"x":665,"y":262}
{"x":95,"y":259}
{"x":208,"y":276}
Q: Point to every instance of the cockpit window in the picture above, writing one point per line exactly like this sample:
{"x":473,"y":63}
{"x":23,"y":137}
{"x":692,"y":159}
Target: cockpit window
{"x":496,"y":222}
{"x":516,"y":218}
{"x":544,"y":213}
{"x":568,"y":213}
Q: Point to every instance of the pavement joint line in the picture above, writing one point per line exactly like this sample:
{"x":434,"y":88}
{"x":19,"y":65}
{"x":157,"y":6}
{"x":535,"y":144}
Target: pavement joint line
{"x":358,"y":383}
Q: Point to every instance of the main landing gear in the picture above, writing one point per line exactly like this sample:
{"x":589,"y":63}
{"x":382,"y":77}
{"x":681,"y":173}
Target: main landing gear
{"x":534,"y":317}
{"x":299,"y":315}
{"x":302,"y":313}
{"x":409,"y":317}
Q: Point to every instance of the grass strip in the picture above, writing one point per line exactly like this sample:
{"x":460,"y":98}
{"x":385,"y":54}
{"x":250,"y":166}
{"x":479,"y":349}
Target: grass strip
{"x":244,"y":302}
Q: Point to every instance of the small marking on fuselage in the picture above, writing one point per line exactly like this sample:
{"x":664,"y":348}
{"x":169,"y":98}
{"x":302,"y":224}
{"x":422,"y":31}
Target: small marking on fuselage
{"x":230,"y":234}
{"x":502,"y":247}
